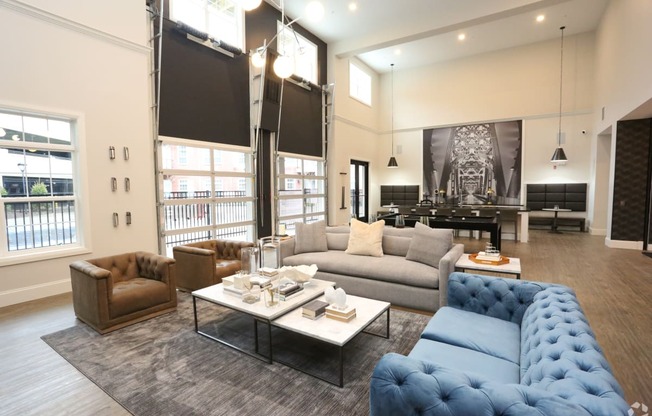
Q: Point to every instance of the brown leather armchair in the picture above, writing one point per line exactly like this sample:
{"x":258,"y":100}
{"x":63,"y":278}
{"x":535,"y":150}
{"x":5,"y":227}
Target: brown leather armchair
{"x":205,"y":263}
{"x":112,"y":292}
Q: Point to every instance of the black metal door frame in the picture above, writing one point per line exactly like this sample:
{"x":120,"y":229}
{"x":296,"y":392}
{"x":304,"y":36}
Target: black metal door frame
{"x":359,"y":189}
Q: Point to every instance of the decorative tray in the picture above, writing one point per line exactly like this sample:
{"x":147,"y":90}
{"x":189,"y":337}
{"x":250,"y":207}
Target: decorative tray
{"x":497,"y":262}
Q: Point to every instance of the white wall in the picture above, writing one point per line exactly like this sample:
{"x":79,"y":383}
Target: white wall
{"x":623,"y":60}
{"x":518,"y":83}
{"x":355,"y":132}
{"x":53,"y":62}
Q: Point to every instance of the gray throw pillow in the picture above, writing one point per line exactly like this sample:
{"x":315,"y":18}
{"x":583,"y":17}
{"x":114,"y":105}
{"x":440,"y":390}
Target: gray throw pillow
{"x":310,"y":237}
{"x":429,"y":245}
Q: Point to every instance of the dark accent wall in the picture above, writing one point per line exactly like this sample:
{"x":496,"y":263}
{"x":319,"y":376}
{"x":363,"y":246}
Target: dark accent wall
{"x":631,"y":185}
{"x":204,"y":93}
{"x":301,"y":111}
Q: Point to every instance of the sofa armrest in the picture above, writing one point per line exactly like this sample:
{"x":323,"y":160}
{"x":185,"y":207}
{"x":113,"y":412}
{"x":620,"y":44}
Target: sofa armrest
{"x":446,"y":267}
{"x":497,"y":297}
{"x":90,"y":270}
{"x":195,"y":267}
{"x":402,"y":385}
{"x":192,"y":250}
{"x":287,"y":249}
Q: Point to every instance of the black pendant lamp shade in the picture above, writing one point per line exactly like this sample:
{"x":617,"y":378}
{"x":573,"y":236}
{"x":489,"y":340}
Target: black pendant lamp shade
{"x":392,"y":162}
{"x":559,"y":155}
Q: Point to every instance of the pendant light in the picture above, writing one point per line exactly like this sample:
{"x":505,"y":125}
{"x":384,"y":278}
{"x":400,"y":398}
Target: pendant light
{"x":392,"y":160}
{"x":559,"y":156}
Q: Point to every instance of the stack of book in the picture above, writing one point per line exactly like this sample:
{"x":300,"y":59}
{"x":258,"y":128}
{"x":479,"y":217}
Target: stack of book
{"x":268,"y":272}
{"x":289,"y":290}
{"x":344,"y":315}
{"x":314,"y":309}
{"x":261,"y":281}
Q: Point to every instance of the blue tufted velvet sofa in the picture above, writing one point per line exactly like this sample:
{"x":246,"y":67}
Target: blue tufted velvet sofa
{"x":500,"y":347}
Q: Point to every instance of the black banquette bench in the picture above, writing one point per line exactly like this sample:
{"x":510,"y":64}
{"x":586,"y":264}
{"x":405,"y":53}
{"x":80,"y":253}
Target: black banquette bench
{"x":563,"y":195}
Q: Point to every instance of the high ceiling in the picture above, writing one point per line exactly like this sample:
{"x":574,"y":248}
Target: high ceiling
{"x":426,"y":31}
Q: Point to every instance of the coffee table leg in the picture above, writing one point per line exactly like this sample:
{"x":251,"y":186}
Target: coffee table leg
{"x":341,"y":367}
{"x":194,"y":309}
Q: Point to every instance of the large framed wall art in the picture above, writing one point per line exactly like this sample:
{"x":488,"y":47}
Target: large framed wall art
{"x":473,"y":163}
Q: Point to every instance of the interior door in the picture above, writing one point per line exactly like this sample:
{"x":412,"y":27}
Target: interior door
{"x":359,"y":190}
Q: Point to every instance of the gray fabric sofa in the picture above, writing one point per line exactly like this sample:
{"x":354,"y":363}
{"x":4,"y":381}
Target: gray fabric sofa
{"x":392,"y":277}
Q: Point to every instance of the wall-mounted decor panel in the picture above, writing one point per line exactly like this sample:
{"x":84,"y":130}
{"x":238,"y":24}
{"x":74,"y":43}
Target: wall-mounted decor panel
{"x":631,"y":180}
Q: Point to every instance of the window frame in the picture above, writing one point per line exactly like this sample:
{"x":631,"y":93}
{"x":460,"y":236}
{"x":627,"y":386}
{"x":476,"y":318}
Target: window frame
{"x":353,"y":67}
{"x":218,"y":178}
{"x":282,"y":178}
{"x":239,"y":16}
{"x":290,"y":33}
{"x":78,"y":178}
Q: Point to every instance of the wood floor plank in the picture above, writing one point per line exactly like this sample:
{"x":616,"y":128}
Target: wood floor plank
{"x":614,"y":288}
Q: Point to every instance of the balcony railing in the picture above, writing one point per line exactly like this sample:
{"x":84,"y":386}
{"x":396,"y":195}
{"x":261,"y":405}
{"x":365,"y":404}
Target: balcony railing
{"x":180,"y":216}
{"x":40,"y":224}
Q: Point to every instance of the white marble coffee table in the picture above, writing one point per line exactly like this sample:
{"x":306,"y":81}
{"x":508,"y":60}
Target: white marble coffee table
{"x":336,"y":332}
{"x":215,"y":294}
{"x":511,"y":268}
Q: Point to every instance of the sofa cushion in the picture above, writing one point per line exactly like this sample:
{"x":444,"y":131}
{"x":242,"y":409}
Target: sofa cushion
{"x":429,"y":245}
{"x":476,"y":332}
{"x":396,"y":241}
{"x":466,"y":360}
{"x":366,"y":239}
{"x":135,"y":295}
{"x":310,"y":237}
{"x":337,"y":238}
{"x":388,"y":268}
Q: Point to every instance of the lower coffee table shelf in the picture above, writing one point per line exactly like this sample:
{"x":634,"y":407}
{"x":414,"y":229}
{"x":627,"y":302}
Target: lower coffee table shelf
{"x":335,"y":332}
{"x":215,"y":294}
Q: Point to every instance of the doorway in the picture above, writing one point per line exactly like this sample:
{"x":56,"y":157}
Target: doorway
{"x":359,"y":190}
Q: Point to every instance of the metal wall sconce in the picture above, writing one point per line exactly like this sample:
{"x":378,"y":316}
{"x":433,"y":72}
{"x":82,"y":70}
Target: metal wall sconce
{"x":111,"y":152}
{"x":127,"y":185}
{"x":114,"y":184}
{"x":128,"y":215}
{"x":125,"y":150}
{"x":116,"y":219}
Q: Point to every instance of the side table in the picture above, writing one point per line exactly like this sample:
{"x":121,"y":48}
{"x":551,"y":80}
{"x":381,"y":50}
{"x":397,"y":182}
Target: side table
{"x":511,"y":268}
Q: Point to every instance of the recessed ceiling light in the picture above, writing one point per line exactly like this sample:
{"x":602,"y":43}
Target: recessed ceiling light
{"x":541,"y":18}
{"x":353,"y":6}
{"x":397,"y":51}
{"x":461,"y":36}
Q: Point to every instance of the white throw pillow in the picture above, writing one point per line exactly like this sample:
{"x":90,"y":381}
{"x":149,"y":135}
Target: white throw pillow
{"x":366,"y":239}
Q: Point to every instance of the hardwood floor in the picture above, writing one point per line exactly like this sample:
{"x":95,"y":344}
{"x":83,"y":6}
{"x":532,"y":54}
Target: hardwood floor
{"x":614,"y":287}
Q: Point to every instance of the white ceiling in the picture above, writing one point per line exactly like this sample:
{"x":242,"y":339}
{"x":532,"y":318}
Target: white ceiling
{"x":426,"y":31}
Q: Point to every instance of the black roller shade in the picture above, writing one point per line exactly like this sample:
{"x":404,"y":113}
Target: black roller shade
{"x":204,"y":93}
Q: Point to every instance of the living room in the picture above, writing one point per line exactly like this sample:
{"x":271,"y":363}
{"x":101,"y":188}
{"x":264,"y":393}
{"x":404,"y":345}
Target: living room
{"x":92,"y":64}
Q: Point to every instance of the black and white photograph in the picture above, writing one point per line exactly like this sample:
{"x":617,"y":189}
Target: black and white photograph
{"x":474,"y":163}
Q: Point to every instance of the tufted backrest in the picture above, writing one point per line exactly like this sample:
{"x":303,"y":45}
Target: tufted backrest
{"x":559,"y":353}
{"x":122,"y":266}
{"x":230,"y":250}
{"x":505,"y":299}
{"x":224,"y":249}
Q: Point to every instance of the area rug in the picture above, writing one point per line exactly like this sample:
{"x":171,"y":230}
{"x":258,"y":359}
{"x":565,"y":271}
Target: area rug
{"x":162,"y":367}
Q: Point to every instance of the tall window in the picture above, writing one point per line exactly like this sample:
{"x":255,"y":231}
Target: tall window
{"x":221,"y":19}
{"x":302,"y":191}
{"x":211,"y":197}
{"x":301,"y":50}
{"x":359,"y":84}
{"x":38,"y":210}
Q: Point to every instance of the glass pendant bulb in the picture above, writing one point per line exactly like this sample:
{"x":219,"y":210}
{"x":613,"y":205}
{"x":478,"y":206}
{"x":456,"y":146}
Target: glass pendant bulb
{"x":283,"y":66}
{"x":249,"y":5}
